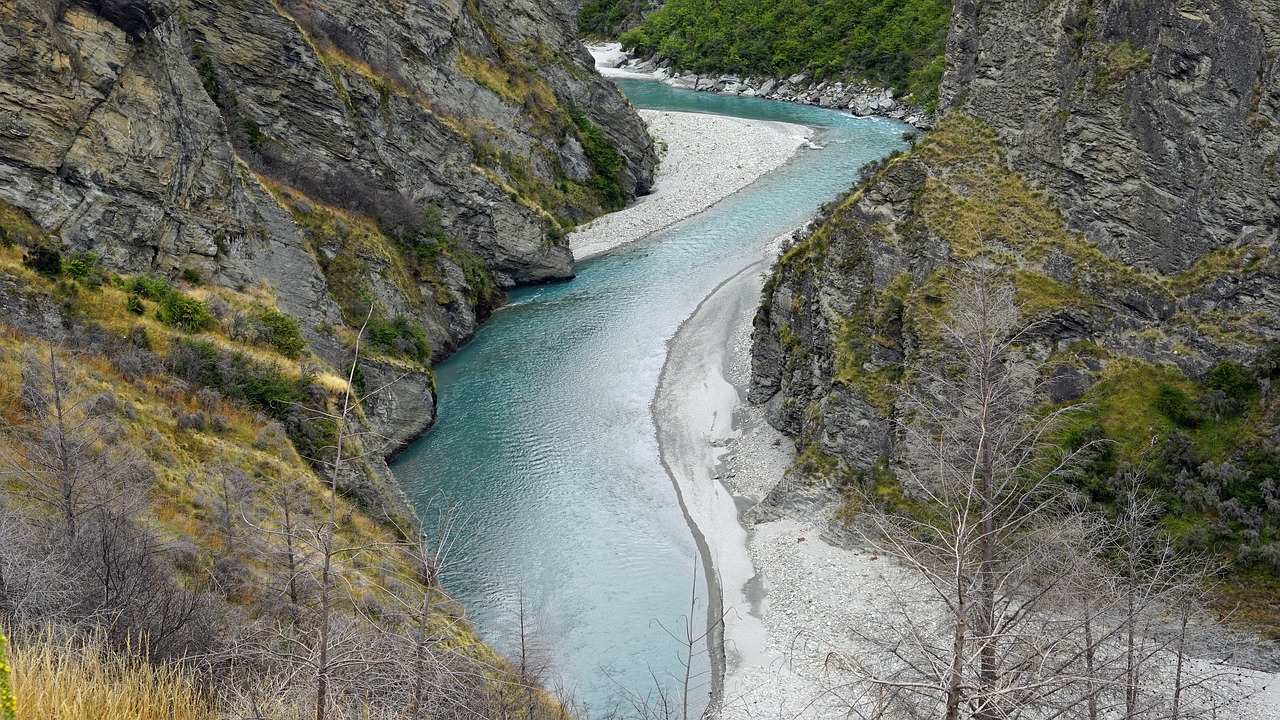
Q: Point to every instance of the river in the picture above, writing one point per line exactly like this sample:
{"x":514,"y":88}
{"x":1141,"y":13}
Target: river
{"x":546,"y":444}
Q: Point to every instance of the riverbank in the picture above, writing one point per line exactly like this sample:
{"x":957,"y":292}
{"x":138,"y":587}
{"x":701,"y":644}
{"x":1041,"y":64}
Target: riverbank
{"x":858,"y":98}
{"x":707,"y":158}
{"x":787,"y":595}
{"x":789,"y":599}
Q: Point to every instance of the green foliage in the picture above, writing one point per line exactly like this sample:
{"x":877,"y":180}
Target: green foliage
{"x":358,"y":379}
{"x":192,"y":276}
{"x":898,"y":43}
{"x":606,"y":161}
{"x":208,"y":76}
{"x":399,"y":335}
{"x":281,"y":332}
{"x":1234,"y":382}
{"x":82,"y":266}
{"x":184,"y":312}
{"x":607,"y":18}
{"x":253,"y":132}
{"x":236,"y":375}
{"x":261,"y":386}
{"x":148,"y":286}
{"x":133,"y":304}
{"x":1172,"y":402}
{"x":1203,"y":448}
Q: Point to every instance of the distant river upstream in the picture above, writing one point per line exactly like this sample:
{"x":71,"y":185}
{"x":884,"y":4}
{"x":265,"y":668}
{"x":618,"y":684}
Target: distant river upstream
{"x":545,"y":439}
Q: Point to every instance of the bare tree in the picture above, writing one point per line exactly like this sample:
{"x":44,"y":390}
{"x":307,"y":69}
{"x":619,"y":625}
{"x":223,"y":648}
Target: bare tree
{"x":1019,"y":610}
{"x":63,"y":458}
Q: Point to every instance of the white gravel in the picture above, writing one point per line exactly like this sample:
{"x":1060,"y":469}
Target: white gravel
{"x":789,"y":596}
{"x":707,"y":158}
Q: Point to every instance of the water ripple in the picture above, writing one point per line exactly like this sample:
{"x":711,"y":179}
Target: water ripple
{"x":545,"y":437}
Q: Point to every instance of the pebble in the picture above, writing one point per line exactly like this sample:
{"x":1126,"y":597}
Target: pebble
{"x":708,"y":158}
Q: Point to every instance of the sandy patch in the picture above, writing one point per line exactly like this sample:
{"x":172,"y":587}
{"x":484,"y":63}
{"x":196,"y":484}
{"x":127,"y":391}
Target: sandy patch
{"x":707,"y":158}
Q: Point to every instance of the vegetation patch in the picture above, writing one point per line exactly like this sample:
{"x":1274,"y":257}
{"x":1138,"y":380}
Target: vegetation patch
{"x":1207,"y":448}
{"x":1115,"y":62}
{"x":894,"y":43}
{"x":606,"y":162}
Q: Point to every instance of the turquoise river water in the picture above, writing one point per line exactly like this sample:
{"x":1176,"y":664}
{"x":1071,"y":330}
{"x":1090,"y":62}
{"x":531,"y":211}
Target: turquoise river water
{"x":545,"y":440}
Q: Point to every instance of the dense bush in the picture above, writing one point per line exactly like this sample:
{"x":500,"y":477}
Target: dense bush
{"x":897,"y":43}
{"x":184,"y":312}
{"x":46,"y":261}
{"x":261,"y":386}
{"x":606,"y":163}
{"x":281,"y":332}
{"x":400,"y":336}
{"x":148,"y":286}
{"x":1204,"y":446}
{"x":608,"y":18}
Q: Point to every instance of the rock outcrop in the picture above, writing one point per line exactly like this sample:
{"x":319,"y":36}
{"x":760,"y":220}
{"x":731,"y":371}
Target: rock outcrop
{"x":1156,"y":125}
{"x":1118,"y":159}
{"x":414,"y":156}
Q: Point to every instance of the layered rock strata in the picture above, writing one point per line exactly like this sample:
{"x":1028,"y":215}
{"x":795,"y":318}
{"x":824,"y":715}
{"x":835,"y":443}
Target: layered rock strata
{"x":415,"y":157}
{"x":1118,"y":160}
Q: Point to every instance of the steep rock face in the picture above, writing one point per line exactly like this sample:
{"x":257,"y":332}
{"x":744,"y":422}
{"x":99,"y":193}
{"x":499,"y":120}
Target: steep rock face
{"x":854,"y":303}
{"x":399,"y":155}
{"x":1118,"y":159}
{"x":1155,"y":124}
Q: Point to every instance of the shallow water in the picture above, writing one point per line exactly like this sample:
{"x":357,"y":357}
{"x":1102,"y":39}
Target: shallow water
{"x":545,"y":439}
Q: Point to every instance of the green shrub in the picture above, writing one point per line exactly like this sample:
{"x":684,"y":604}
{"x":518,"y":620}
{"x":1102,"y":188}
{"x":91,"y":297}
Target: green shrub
{"x":1233,"y":381}
{"x":399,"y":336}
{"x":184,"y":312}
{"x":896,"y":43}
{"x":606,"y":18}
{"x":149,"y":287}
{"x":606,"y":162}
{"x":281,"y":332}
{"x":133,"y":304}
{"x":83,"y":266}
{"x":192,"y":276}
{"x":1174,"y":404}
{"x":358,"y":379}
{"x":261,"y":386}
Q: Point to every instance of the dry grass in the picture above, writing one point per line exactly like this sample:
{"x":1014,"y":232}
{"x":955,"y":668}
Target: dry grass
{"x":70,"y":679}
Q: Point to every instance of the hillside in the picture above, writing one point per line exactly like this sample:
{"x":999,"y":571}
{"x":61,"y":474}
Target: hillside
{"x":419,"y":164}
{"x":204,"y":209}
{"x":1101,"y":159}
{"x":174,"y":486}
{"x":892,"y":43}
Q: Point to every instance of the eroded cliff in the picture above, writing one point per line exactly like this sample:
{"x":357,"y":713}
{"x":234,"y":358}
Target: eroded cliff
{"x":414,"y":158}
{"x":1115,"y":162}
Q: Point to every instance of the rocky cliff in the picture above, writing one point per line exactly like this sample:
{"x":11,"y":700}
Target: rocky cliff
{"x":1117,"y":163}
{"x":203,"y":207}
{"x":410,"y":157}
{"x":1154,"y":124}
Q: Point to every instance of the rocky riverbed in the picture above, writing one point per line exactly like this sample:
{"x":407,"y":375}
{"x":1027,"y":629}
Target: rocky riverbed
{"x":858,"y":98}
{"x":704,"y":159}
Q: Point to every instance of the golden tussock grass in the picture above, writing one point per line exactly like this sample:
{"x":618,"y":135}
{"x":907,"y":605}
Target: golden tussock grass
{"x":73,"y":679}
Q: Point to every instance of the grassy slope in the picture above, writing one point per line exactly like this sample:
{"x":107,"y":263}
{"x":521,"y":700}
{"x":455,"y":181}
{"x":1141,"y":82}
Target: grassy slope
{"x":127,"y":352}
